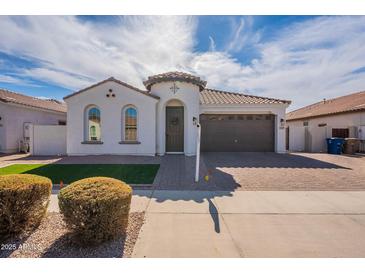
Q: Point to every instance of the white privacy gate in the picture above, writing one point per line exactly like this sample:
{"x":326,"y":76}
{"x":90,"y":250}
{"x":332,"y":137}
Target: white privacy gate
{"x":308,"y":139}
{"x":47,"y":140}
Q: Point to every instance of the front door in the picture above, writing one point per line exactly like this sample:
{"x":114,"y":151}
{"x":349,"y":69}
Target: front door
{"x":174,"y":129}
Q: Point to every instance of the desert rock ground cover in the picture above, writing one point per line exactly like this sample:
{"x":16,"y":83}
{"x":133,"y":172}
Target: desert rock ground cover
{"x":52,"y":240}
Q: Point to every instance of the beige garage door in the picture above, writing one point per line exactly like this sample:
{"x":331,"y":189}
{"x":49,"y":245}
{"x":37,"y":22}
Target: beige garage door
{"x":239,"y":133}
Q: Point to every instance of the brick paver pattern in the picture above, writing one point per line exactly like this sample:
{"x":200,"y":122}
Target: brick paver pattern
{"x":236,"y":171}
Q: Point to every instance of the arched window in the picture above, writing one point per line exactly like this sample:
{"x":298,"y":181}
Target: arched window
{"x":130,"y":124}
{"x":93,"y":124}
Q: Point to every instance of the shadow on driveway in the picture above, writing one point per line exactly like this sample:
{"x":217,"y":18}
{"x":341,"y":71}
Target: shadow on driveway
{"x":265,"y":160}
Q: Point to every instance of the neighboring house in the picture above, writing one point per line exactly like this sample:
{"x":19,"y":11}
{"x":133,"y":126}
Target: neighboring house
{"x":308,"y":127}
{"x":112,"y":117}
{"x":18,"y":111}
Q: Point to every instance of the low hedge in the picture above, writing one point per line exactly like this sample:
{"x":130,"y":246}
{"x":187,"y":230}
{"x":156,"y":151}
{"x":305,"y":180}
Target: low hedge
{"x":24,"y":200}
{"x":96,"y":209}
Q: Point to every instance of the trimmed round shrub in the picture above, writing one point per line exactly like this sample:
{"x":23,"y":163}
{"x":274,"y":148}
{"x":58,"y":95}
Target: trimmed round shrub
{"x":24,"y":200}
{"x":96,"y":209}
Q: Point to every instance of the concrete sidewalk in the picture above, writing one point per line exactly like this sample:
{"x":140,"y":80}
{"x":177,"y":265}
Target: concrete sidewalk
{"x":253,"y":224}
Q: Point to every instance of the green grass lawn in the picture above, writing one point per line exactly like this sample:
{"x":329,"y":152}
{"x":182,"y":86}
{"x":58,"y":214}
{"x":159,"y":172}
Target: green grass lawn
{"x":131,"y":174}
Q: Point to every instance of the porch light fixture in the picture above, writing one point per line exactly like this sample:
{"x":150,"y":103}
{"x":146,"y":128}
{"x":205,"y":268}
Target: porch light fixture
{"x":282,"y":123}
{"x":195,"y":121}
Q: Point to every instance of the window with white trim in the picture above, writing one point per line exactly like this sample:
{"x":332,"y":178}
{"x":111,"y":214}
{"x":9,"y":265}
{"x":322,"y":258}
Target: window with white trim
{"x":130,"y":124}
{"x":93,"y":124}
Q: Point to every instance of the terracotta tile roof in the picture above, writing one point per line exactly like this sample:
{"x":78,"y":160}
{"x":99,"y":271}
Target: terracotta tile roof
{"x":116,"y":81}
{"x":174,"y":76}
{"x":349,"y":103}
{"x":7,"y":96}
{"x":218,"y":97}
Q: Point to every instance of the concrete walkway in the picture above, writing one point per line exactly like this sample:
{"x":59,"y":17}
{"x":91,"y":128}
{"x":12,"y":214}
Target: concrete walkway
{"x":249,"y":223}
{"x":252,"y":224}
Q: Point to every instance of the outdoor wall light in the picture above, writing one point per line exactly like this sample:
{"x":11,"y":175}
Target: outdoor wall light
{"x":282,"y":122}
{"x":195,"y":121}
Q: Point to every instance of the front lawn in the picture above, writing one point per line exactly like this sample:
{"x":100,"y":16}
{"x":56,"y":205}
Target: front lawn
{"x":131,"y":174}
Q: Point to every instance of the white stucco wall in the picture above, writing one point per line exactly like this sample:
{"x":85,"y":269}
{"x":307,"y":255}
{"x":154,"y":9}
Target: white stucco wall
{"x":317,"y":135}
{"x":111,"y":121}
{"x":151,"y":118}
{"x":13,"y":118}
{"x":276,"y":109}
{"x":188,"y":94}
{"x":48,"y":140}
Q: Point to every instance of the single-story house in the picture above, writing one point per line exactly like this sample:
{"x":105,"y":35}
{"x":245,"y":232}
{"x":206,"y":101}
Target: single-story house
{"x":113,"y":117}
{"x":308,"y":127}
{"x":18,"y":112}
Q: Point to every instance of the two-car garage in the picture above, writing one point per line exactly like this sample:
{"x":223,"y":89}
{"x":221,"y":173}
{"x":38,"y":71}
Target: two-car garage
{"x":237,"y":132}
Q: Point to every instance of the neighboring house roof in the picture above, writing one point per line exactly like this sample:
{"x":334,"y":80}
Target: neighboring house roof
{"x":116,"y":81}
{"x":174,"y":76}
{"x":218,"y":97}
{"x":344,"y":104}
{"x":7,"y":96}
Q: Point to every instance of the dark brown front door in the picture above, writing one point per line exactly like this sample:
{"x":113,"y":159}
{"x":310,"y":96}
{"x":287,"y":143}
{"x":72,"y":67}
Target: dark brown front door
{"x":174,"y":129}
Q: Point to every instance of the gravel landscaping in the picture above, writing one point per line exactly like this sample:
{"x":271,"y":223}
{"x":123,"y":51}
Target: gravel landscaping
{"x":52,"y":240}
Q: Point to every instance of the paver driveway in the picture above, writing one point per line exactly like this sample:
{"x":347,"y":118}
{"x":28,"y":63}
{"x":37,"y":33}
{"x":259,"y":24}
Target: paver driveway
{"x":263,"y":171}
{"x":237,"y":171}
{"x":296,"y":171}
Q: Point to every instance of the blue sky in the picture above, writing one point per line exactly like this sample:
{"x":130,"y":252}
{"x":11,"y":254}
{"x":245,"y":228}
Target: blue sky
{"x":300,"y":58}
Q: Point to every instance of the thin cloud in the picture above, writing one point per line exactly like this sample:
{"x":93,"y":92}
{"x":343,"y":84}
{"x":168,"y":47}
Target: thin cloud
{"x":15,"y":80}
{"x":242,"y":35}
{"x":212,"y":45}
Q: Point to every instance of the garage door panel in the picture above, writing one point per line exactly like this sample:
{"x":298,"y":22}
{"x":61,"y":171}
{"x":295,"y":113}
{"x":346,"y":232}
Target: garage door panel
{"x":217,"y":137}
{"x":237,"y":132}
